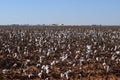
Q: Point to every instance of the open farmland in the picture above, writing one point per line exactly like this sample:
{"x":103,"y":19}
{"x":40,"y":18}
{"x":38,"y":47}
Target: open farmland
{"x":59,"y":52}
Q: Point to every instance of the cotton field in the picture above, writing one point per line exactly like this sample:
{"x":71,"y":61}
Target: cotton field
{"x":59,"y":52}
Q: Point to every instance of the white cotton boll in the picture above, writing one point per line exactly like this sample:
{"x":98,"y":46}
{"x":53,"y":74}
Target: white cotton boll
{"x":70,"y":62}
{"x":47,"y":71}
{"x":24,"y":70}
{"x":73,"y":65}
{"x":38,"y":65}
{"x":64,"y":57}
{"x":117,"y":60}
{"x":48,"y":53}
{"x":115,"y":48}
{"x":45,"y":41}
{"x":79,"y":75}
{"x":46,"y":78}
{"x":5,"y":71}
{"x":113,"y":57}
{"x":15,"y":55}
{"x":41,"y":59}
{"x":88,"y":59}
{"x":55,"y":48}
{"x":117,"y":52}
{"x":69,"y":71}
{"x":30,"y":75}
{"x":69,"y":46}
{"x":66,"y":75}
{"x":22,"y":39}
{"x":36,"y":40}
{"x":30,"y":40}
{"x":40,"y":50}
{"x":104,"y":63}
{"x":9,"y":50}
{"x":52,"y":63}
{"x":10,"y":35}
{"x":104,"y":47}
{"x":26,"y":52}
{"x":14,"y":65}
{"x":95,"y":51}
{"x":97,"y":58}
{"x":107,"y":68}
{"x":43,"y":66}
{"x":46,"y":67}
{"x":18,"y":48}
{"x":88,"y":51}
{"x":56,"y":61}
{"x":82,"y":59}
{"x":76,"y":56}
{"x":88,"y":46}
{"x":77,"y":52}
{"x":28,"y":60}
{"x":62,"y":75}
{"x":80,"y":67}
{"x":40,"y":74}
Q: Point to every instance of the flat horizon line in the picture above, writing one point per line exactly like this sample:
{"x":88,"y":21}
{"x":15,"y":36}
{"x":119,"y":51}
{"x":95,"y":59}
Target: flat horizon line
{"x":60,"y":24}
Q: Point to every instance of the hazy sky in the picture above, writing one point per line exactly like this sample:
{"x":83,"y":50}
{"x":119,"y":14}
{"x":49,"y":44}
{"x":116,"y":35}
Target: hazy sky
{"x":60,"y":11}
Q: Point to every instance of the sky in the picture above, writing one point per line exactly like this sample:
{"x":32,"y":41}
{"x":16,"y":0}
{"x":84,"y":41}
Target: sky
{"x":74,"y":12}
